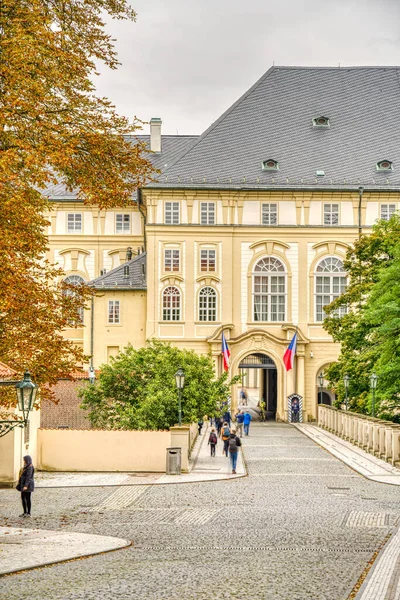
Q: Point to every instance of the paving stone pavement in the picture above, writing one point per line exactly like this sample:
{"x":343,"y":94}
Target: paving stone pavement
{"x":291,"y":530}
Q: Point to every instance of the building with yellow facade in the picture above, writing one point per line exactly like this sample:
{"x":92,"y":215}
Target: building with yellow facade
{"x":245,"y":229}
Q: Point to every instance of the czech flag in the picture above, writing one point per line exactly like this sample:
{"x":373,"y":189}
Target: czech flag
{"x":288,"y":357}
{"x":226,"y":353}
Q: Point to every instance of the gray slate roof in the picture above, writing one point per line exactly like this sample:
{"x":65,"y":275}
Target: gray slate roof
{"x":115,"y":280}
{"x":274,"y":120}
{"x":171,"y":147}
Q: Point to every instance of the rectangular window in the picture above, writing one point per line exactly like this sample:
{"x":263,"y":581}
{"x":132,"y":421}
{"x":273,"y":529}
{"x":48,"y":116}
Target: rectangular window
{"x":207,"y":213}
{"x":122,"y":223}
{"x":331,"y":214}
{"x":387,"y":210}
{"x":172,"y":213}
{"x":171,"y":260}
{"x":207,"y":260}
{"x":74,"y":223}
{"x":269,"y":214}
{"x":113,"y":311}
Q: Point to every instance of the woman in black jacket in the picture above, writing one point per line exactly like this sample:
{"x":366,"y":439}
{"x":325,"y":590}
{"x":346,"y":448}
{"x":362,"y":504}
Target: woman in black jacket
{"x":26,"y":485}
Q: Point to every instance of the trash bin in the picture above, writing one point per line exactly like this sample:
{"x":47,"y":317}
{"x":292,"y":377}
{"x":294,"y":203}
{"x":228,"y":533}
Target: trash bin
{"x":174,"y":461}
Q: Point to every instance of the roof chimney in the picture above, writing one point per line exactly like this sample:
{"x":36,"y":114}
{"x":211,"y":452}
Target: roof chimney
{"x":155,"y":134}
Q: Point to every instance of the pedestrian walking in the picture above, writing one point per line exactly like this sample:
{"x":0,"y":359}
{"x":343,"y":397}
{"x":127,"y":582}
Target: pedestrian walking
{"x":225,"y":434}
{"x":239,"y":423}
{"x":246,"y":422}
{"x":227,"y":417}
{"x":26,"y":485}
{"x":200,"y":425}
{"x":219,"y":422}
{"x":234,"y":444}
{"x":213,"y":440}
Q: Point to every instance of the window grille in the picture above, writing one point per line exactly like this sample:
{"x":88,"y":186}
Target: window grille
{"x":123,"y":223}
{"x":208,"y":260}
{"x":207,"y":213}
{"x":172,"y":213}
{"x":207,"y":304}
{"x":171,"y":260}
{"x":330,"y":283}
{"x":113,"y":312}
{"x":171,"y":304}
{"x":331,"y":214}
{"x":74,"y":223}
{"x":269,"y":290}
{"x":269,"y":214}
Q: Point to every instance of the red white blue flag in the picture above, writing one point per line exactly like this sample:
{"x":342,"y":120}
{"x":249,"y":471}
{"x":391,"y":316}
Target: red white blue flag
{"x":226,"y":353}
{"x":288,"y":357}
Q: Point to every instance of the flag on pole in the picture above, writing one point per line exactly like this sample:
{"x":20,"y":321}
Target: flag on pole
{"x":288,"y":357}
{"x":226,"y":353}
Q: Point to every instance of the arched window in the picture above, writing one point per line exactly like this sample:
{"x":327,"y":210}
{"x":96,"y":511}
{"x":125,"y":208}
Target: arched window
{"x":74,"y":280}
{"x":330,"y":283}
{"x":171,"y":304}
{"x":269,"y":290}
{"x":207,"y":304}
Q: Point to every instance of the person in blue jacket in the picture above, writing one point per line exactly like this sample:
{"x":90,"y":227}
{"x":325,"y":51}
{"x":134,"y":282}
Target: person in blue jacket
{"x":246,"y":422}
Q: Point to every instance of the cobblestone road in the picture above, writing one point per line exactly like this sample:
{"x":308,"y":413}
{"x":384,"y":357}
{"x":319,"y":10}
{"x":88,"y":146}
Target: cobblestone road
{"x":302,"y":526}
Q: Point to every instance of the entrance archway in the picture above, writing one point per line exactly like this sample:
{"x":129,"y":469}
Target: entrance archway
{"x":260,"y":380}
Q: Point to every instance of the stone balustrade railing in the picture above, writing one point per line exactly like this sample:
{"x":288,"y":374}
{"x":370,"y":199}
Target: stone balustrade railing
{"x":380,"y":438}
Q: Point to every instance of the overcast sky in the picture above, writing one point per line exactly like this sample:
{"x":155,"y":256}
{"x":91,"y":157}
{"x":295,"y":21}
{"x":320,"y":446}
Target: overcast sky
{"x":187,"y":61}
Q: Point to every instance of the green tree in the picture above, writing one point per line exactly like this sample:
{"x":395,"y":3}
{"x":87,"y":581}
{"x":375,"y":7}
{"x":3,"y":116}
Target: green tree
{"x":371,"y":256}
{"x":138,"y":391}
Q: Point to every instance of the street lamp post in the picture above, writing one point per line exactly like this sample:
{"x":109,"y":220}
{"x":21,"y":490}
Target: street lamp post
{"x":373,"y":380}
{"x":26,"y":394}
{"x":180,"y":382}
{"x":321,"y":385}
{"x":346,"y":381}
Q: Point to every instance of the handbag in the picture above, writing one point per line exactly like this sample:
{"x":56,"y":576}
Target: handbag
{"x":18,"y":487}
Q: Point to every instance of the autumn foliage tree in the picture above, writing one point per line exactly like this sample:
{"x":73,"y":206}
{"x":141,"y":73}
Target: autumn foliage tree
{"x":53,"y":128}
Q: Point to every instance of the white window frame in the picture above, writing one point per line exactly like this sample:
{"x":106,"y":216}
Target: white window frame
{"x":269,"y":213}
{"x":172,"y":259}
{"x":172,"y":213}
{"x":207,"y":304}
{"x":114,"y":312}
{"x":207,"y":213}
{"x":387,"y":210}
{"x":263,"y":302}
{"x":331,"y":215}
{"x":208,"y":260}
{"x":123,"y":223}
{"x":171,"y":313}
{"x":75,"y":280}
{"x":327,"y":292}
{"x":76,"y":223}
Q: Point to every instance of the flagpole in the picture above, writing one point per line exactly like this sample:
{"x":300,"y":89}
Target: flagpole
{"x":295,"y":361}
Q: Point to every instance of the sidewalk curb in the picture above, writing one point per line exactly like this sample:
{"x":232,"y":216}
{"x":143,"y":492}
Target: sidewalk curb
{"x":348,"y":461}
{"x":46,"y":564}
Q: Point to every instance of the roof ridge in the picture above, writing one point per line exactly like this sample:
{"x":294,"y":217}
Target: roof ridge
{"x":220,"y":119}
{"x":341,"y":67}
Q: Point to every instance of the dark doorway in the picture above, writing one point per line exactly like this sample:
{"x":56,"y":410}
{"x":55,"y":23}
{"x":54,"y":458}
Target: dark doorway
{"x":262,"y":384}
{"x":324,"y":398}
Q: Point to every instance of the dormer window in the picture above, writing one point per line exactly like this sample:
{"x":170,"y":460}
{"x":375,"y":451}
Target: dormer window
{"x":270,"y":165}
{"x":384,"y":165}
{"x":321,"y":122}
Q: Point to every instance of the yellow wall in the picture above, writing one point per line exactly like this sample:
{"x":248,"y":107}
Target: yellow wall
{"x":109,"y":339}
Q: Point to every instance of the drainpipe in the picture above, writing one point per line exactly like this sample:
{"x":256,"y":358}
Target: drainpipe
{"x":91,"y":333}
{"x":360,"y":195}
{"x":139,"y":201}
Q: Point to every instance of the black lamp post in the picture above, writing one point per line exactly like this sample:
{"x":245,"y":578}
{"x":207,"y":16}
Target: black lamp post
{"x":26,"y":392}
{"x":321,"y":385}
{"x":180,"y":382}
{"x":373,"y":380}
{"x":346,"y":381}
